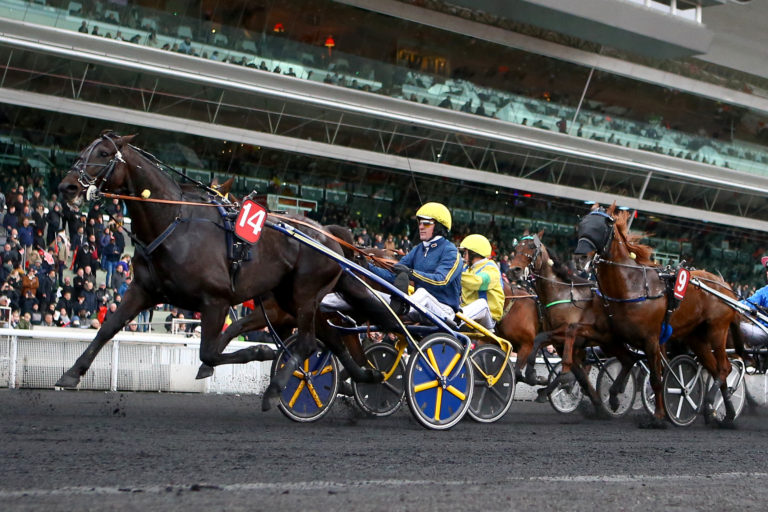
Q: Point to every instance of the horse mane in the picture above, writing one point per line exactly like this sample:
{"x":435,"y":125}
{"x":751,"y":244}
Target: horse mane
{"x":643,"y":253}
{"x":562,"y":271}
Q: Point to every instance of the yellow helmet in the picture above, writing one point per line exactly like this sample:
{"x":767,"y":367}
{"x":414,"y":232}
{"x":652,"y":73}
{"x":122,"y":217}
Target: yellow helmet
{"x":478,"y":244}
{"x":437,"y":212}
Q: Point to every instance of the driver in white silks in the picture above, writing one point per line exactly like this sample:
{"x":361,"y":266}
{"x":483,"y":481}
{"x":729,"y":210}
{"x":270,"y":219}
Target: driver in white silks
{"x":482,"y":290}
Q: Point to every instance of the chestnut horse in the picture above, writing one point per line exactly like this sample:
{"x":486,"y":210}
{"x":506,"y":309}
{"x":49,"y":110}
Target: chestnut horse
{"x":181,"y":259}
{"x":635,"y":297}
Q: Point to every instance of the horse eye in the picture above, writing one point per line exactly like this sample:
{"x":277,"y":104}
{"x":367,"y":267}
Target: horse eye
{"x":104,"y":154}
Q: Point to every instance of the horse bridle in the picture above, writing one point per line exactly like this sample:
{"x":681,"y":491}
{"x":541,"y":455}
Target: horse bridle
{"x":537,"y":252}
{"x":87,"y":181}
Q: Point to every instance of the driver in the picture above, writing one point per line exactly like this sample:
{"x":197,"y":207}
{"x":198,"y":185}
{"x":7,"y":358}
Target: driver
{"x":482,"y":291}
{"x":433,"y":266}
{"x":759,"y":299}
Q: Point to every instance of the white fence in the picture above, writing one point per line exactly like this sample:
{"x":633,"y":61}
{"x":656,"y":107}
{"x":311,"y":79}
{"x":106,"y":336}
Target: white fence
{"x":130,"y":362}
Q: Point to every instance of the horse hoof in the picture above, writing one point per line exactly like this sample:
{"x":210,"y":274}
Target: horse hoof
{"x":566,"y":379}
{"x":613,"y":401}
{"x":541,"y":396}
{"x":373,"y":376}
{"x":270,"y":398}
{"x":263,"y":353}
{"x":204,"y":372}
{"x":345,"y":388}
{"x":68,"y":381}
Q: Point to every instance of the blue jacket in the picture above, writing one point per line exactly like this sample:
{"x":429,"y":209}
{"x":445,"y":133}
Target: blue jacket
{"x":760,"y":298}
{"x":436,"y":269}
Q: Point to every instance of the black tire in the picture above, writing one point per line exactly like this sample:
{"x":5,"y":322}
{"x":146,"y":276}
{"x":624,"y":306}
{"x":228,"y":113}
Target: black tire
{"x":383,"y":398}
{"x":488,"y":403}
{"x":564,"y":399}
{"x":606,"y":378}
{"x":683,"y":390}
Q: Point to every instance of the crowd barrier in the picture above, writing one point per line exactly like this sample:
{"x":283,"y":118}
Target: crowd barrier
{"x":35,"y":359}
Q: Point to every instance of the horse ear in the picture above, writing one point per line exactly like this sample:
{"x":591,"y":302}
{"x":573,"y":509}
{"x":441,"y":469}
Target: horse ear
{"x":594,"y":207}
{"x":540,"y":234}
{"x":126,"y":139}
{"x":611,"y":209}
{"x":225,"y":187}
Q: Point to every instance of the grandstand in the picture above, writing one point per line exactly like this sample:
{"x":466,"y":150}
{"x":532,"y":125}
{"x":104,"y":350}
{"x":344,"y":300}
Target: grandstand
{"x":368,"y":106}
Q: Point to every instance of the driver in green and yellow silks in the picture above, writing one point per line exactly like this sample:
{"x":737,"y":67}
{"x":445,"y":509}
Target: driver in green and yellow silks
{"x":482,"y":290}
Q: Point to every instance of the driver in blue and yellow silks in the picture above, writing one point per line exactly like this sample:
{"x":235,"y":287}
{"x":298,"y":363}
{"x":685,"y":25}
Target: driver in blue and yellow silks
{"x":434,"y":266}
{"x":759,"y":299}
{"x":482,"y":290}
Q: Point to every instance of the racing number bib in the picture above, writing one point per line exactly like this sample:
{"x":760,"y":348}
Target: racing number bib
{"x":250,"y":221}
{"x":681,"y":283}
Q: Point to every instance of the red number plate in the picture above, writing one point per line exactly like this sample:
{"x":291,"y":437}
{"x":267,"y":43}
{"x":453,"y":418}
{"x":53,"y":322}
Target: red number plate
{"x":250,"y":221}
{"x":681,"y":283}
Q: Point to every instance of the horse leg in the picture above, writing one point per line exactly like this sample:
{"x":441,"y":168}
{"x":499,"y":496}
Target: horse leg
{"x":252,"y":322}
{"x":579,"y":372}
{"x":304,"y":345}
{"x":135,"y":301}
{"x":627,"y":361}
{"x":718,"y":367}
{"x":349,"y":352}
{"x":653,"y":353}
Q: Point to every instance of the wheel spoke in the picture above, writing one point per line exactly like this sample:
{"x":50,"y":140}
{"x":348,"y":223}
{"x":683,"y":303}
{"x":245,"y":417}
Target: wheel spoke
{"x":425,"y":386}
{"x":438,"y":403}
{"x":315,"y":397}
{"x":296,"y":393}
{"x":455,"y":392}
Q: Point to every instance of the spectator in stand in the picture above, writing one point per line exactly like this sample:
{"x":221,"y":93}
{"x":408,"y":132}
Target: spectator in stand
{"x":152,"y":40}
{"x":118,"y":278}
{"x":169,"y":319}
{"x":62,"y":252}
{"x":30,"y":282}
{"x":78,"y":281}
{"x":389,"y":244}
{"x":366,"y":237}
{"x":110,"y":257}
{"x":9,"y":256}
{"x":83,"y":28}
{"x":378,"y":241}
{"x":46,"y":292}
{"x":62,"y":318}
{"x":11,"y":219}
{"x":53,"y":218}
{"x":133,"y":326}
{"x":88,"y":275}
{"x":185,"y":46}
{"x":95,"y":31}
{"x":124,"y":287}
{"x":90,"y":304}
{"x":65,"y":303}
{"x":48,"y":320}
{"x":103,"y":295}
{"x":111,"y":309}
{"x":36,"y":315}
{"x":28,"y":302}
{"x":80,"y":237}
{"x":25,"y":322}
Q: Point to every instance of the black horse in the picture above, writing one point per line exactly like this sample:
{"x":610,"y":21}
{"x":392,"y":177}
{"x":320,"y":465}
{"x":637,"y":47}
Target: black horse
{"x":181,"y":259}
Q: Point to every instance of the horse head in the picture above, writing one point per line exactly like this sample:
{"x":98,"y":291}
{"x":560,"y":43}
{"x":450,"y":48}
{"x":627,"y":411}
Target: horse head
{"x":595,"y":234}
{"x":528,"y":256}
{"x":100,"y":165}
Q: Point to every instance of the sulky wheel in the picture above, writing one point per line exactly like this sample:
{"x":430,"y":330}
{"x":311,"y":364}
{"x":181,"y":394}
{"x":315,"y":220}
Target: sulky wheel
{"x":646,"y":392}
{"x":564,"y":398}
{"x":605,"y":379}
{"x":439,"y":400}
{"x":383,"y":398}
{"x":490,"y":403}
{"x":736,"y":386}
{"x":683,"y":390}
{"x":312,"y":388}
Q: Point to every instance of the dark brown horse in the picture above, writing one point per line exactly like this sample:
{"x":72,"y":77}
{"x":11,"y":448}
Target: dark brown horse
{"x":635,"y":297}
{"x":181,"y":259}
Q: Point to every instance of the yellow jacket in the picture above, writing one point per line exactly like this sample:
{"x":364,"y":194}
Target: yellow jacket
{"x":483,"y":281}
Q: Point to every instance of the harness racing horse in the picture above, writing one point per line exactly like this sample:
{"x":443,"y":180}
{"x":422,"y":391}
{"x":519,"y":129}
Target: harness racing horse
{"x":181,"y":259}
{"x":635,"y":297}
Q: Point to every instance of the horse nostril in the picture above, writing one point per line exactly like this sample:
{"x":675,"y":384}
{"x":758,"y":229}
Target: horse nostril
{"x":516,"y":270}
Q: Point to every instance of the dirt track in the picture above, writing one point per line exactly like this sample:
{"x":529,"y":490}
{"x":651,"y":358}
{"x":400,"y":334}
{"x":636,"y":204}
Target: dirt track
{"x":131,"y":451}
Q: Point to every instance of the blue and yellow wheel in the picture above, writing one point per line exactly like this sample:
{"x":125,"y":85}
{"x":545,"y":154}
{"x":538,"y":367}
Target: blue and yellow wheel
{"x":439,"y":399}
{"x":312,"y":388}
